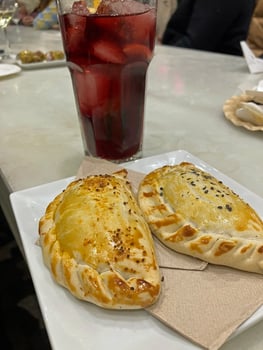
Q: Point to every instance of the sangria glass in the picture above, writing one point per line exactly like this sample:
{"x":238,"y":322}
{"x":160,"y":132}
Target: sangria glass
{"x":108,"y":46}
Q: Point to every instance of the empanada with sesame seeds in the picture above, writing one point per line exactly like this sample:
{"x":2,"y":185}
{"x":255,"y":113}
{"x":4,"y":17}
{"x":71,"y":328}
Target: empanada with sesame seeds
{"x":97,"y":244}
{"x":194,"y":213}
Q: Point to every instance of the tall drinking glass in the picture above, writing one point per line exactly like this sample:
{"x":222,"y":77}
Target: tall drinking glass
{"x":7,"y":10}
{"x":108,"y":46}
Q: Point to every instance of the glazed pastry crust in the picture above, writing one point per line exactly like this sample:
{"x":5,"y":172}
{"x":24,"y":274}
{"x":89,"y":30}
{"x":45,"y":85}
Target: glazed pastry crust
{"x":97,"y":244}
{"x":193,"y":213}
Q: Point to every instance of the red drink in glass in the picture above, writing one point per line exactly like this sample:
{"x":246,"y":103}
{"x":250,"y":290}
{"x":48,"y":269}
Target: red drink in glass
{"x":108,"y":55}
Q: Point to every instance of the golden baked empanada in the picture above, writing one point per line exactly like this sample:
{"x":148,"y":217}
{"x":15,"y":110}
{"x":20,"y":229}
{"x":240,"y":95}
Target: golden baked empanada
{"x":193,"y":213}
{"x":98,"y":245}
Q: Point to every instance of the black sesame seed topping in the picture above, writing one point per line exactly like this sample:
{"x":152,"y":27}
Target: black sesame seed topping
{"x":228,"y":207}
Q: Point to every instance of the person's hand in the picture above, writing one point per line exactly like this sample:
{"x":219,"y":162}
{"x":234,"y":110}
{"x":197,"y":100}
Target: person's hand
{"x":27,"y":20}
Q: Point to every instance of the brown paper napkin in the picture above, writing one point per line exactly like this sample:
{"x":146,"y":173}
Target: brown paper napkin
{"x":206,"y":305}
{"x":167,"y":258}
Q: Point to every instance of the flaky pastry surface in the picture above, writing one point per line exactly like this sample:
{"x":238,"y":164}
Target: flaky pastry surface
{"x":193,"y":213}
{"x":97,"y":244}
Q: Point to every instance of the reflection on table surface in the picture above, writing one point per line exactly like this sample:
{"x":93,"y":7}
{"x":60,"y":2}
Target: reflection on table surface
{"x":186,"y":90}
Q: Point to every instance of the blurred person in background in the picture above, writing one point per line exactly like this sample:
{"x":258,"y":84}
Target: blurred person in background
{"x":29,"y":9}
{"x":48,"y":18}
{"x":26,"y":11}
{"x":255,"y":33}
{"x":210,"y":25}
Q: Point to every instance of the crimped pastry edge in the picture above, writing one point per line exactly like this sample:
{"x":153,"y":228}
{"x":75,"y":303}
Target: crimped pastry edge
{"x":252,"y":250}
{"x":74,"y":277}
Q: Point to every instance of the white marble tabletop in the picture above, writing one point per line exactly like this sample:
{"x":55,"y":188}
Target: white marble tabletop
{"x":40,"y":139}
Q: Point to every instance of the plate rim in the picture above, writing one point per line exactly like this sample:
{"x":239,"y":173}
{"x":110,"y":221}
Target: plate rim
{"x":13,"y":69}
{"x":43,"y":64}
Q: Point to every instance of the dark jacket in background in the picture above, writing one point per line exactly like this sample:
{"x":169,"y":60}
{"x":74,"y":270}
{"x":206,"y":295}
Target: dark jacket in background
{"x":210,"y":25}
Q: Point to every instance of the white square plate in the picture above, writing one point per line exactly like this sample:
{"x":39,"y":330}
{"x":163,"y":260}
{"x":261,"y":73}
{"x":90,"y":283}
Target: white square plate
{"x":73,"y":324}
{"x":43,"y":64}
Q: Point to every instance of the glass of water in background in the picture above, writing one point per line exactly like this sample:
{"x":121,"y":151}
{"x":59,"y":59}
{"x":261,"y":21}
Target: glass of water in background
{"x":7,"y":10}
